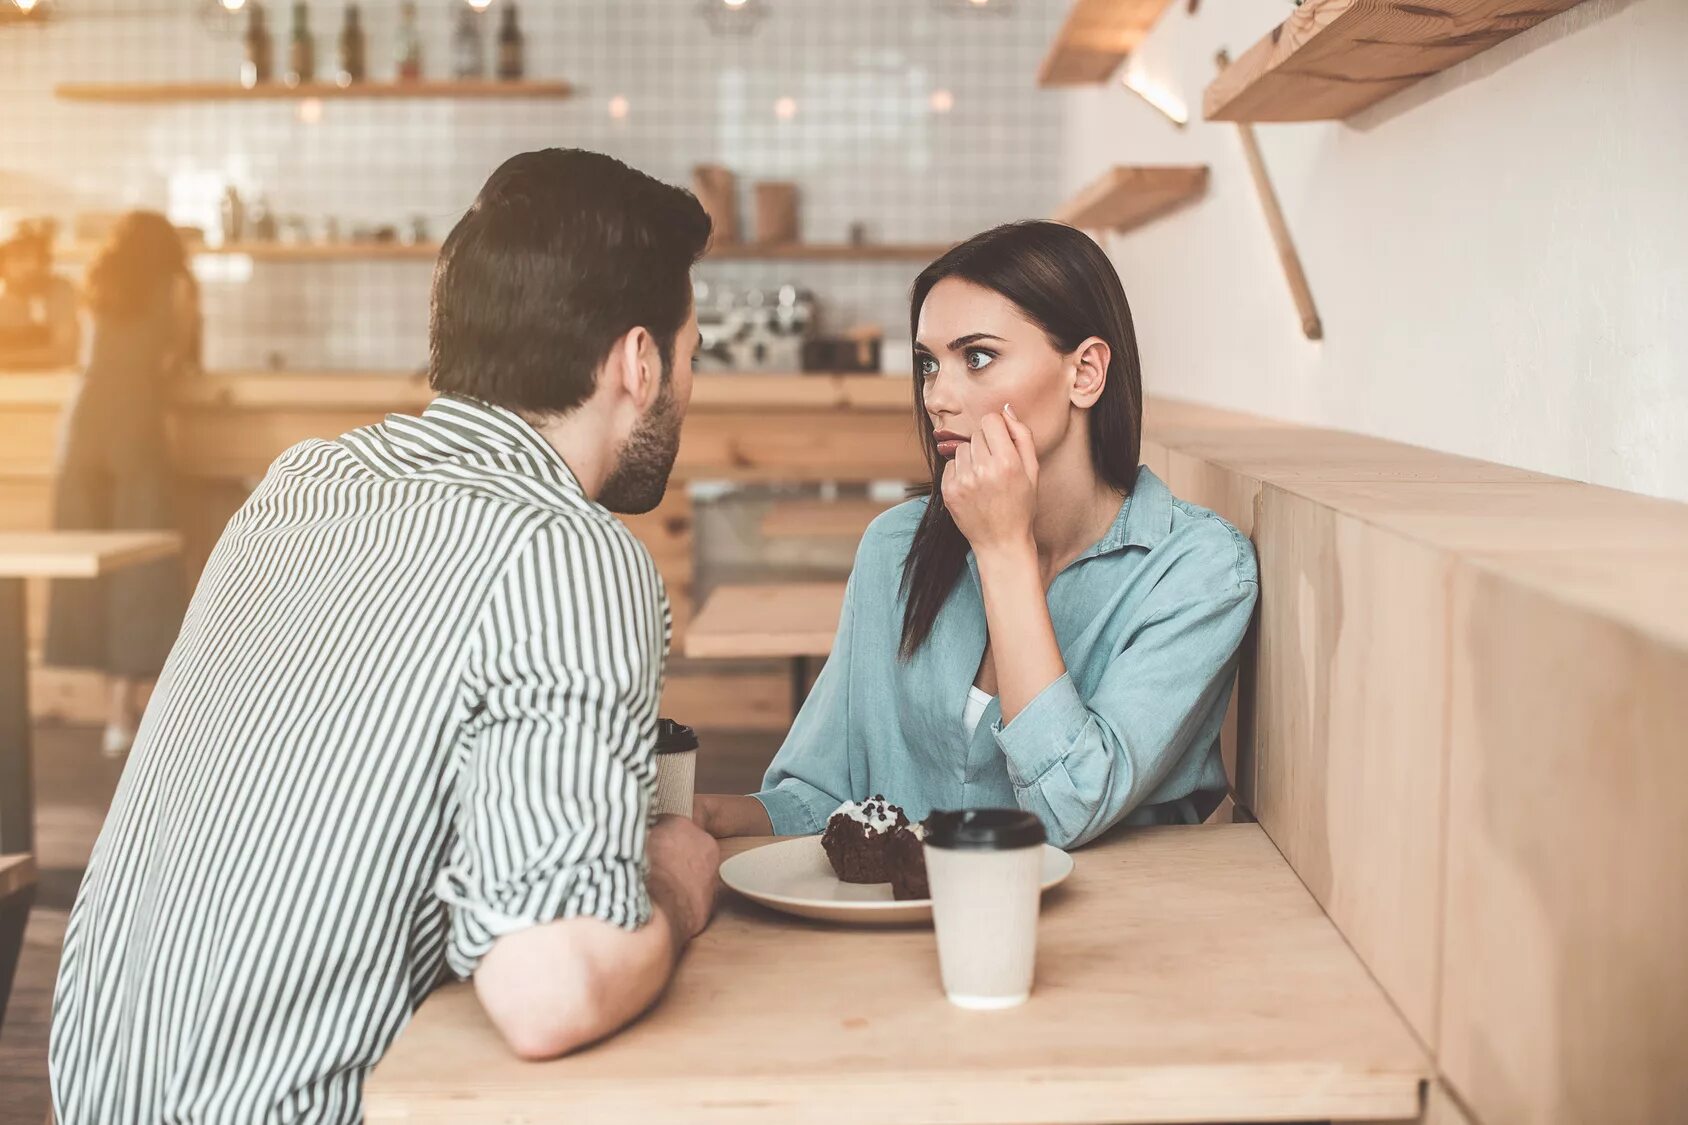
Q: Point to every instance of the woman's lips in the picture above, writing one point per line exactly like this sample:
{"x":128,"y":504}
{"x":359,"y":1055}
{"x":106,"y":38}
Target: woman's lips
{"x":948,"y":442}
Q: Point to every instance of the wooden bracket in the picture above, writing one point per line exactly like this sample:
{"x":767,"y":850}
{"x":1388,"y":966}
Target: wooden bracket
{"x":1293,"y":273}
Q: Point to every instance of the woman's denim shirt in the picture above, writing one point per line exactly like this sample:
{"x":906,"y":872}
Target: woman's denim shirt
{"x":1149,"y":621}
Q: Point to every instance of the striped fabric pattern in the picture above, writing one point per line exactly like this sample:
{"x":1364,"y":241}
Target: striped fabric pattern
{"x":412,"y":708}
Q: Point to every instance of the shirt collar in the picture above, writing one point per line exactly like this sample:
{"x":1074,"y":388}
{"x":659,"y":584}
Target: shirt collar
{"x":469,"y":425}
{"x":1144,"y":519}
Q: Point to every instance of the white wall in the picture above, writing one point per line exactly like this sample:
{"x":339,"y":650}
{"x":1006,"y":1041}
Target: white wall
{"x":1499,"y":254}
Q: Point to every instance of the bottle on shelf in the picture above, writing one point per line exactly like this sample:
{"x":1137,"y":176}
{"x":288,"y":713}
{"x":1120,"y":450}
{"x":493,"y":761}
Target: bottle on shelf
{"x":352,"y":54}
{"x":510,"y":63}
{"x":410,"y":44}
{"x":301,"y":51}
{"x":260,"y":56}
{"x":468,"y":55}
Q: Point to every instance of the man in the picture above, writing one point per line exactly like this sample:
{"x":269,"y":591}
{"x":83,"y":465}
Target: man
{"x":407,"y":728}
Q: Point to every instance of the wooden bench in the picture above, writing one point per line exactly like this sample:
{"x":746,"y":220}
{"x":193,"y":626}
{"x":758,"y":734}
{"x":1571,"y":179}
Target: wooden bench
{"x":1461,"y":721}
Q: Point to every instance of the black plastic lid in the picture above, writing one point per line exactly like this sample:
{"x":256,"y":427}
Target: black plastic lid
{"x":984,"y":829}
{"x":674,"y":738}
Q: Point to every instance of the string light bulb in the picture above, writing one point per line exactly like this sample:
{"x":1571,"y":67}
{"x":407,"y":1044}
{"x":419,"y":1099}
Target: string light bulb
{"x":233,"y":5}
{"x":480,"y":5}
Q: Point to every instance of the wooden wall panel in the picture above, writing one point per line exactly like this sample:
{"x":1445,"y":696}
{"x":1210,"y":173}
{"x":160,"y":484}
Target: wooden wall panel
{"x":1233,"y":496}
{"x":26,"y":503}
{"x":1564,"y":995}
{"x":1349,"y":731}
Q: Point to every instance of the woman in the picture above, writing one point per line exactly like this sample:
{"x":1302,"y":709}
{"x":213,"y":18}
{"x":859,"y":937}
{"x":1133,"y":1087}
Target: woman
{"x":1049,"y":628}
{"x":113,"y":469}
{"x":38,"y":329}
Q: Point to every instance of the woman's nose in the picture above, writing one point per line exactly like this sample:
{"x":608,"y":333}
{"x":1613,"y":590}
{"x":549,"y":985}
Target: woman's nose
{"x":940,"y":392}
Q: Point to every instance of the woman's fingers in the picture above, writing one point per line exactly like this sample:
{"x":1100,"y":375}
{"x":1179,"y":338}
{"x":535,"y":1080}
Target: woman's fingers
{"x":1021,"y":435}
{"x":991,"y":437}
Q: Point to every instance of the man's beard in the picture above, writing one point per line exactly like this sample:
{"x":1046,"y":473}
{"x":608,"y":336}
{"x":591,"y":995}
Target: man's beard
{"x":640,"y":476}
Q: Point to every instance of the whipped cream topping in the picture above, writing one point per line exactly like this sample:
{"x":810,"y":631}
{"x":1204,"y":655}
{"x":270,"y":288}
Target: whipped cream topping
{"x":876,"y":813}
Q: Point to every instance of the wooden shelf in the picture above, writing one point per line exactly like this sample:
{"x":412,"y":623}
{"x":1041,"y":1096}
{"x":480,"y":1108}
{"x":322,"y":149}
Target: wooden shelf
{"x":1096,"y":38}
{"x":146,"y":92}
{"x":1333,"y":58}
{"x":427,"y":251}
{"x":1130,"y":195}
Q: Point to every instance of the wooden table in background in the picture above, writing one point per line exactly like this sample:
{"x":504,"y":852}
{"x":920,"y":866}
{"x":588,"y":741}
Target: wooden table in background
{"x":68,"y":554}
{"x":1184,"y":974}
{"x":794,"y":621}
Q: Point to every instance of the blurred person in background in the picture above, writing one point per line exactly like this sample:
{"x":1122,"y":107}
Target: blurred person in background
{"x":114,"y":471}
{"x":38,"y":326}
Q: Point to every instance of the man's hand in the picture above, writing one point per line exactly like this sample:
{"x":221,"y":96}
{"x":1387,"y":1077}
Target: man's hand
{"x":685,"y":863}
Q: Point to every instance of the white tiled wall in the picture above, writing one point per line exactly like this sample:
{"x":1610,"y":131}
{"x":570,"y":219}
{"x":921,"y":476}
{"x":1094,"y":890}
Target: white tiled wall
{"x":865,"y":143}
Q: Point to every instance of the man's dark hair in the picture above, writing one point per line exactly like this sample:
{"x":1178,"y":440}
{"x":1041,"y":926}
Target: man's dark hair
{"x":563,"y":253}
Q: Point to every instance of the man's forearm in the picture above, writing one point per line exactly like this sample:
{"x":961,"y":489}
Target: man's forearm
{"x":556,"y":988}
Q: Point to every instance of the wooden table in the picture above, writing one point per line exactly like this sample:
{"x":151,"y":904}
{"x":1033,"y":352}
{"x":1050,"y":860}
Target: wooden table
{"x":1184,"y":974}
{"x":38,"y":555}
{"x":794,"y":621}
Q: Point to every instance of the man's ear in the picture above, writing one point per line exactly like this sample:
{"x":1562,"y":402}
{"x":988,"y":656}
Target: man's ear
{"x":637,"y":364}
{"x":1091,"y":374}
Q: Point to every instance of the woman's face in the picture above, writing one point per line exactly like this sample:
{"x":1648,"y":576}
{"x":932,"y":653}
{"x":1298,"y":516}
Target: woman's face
{"x":976,"y":352}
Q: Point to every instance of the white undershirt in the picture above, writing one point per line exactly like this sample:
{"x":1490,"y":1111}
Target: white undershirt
{"x":977,"y":701}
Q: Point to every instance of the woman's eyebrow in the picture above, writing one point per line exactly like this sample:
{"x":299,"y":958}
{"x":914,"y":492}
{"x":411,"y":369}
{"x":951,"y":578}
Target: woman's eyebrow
{"x":963,"y":342}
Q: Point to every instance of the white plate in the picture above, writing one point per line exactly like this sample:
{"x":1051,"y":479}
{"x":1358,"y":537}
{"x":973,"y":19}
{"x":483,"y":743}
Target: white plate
{"x":795,"y":876}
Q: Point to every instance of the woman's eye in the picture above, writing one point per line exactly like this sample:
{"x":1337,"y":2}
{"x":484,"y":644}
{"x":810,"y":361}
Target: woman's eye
{"x":978,"y":359}
{"x":928,"y":366}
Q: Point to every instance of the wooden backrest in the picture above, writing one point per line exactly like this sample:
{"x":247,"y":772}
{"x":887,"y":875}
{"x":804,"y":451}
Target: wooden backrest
{"x":1460,"y":717}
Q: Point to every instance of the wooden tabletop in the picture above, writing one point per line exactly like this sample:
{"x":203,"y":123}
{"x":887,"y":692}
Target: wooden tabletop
{"x":79,"y":554}
{"x":784,"y":620}
{"x":16,"y":873}
{"x":820,"y":519}
{"x":1184,"y":974}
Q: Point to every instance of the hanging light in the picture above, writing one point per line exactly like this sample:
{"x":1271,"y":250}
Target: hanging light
{"x":1159,"y":98}
{"x":233,"y":5}
{"x":732,"y":17}
{"x":480,"y":5}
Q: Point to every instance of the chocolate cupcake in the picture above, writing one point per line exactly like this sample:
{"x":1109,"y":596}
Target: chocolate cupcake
{"x":908,"y":865}
{"x":859,"y":839}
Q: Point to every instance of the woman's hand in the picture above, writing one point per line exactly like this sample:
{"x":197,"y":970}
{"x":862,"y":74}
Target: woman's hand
{"x":990,"y":487}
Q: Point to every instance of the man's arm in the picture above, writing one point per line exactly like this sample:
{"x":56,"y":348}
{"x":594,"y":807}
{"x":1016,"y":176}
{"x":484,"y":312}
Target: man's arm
{"x":554,"y":988}
{"x":567,"y":911}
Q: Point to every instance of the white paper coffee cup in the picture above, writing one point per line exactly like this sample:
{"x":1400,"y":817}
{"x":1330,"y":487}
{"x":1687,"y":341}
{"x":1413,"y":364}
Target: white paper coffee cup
{"x":985,"y":868}
{"x":676,"y":769}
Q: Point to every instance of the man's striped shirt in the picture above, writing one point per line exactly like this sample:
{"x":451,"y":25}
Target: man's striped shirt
{"x":412,"y":708}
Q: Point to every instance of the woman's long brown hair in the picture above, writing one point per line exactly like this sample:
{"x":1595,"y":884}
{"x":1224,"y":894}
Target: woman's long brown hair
{"x":1061,"y":281}
{"x":138,"y":266}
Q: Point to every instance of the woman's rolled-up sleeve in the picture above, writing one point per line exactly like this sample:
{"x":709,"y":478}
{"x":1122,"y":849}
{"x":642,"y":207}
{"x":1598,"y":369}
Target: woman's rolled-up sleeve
{"x":555,"y":769}
{"x":1081,"y":764}
{"x":810,"y":776}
